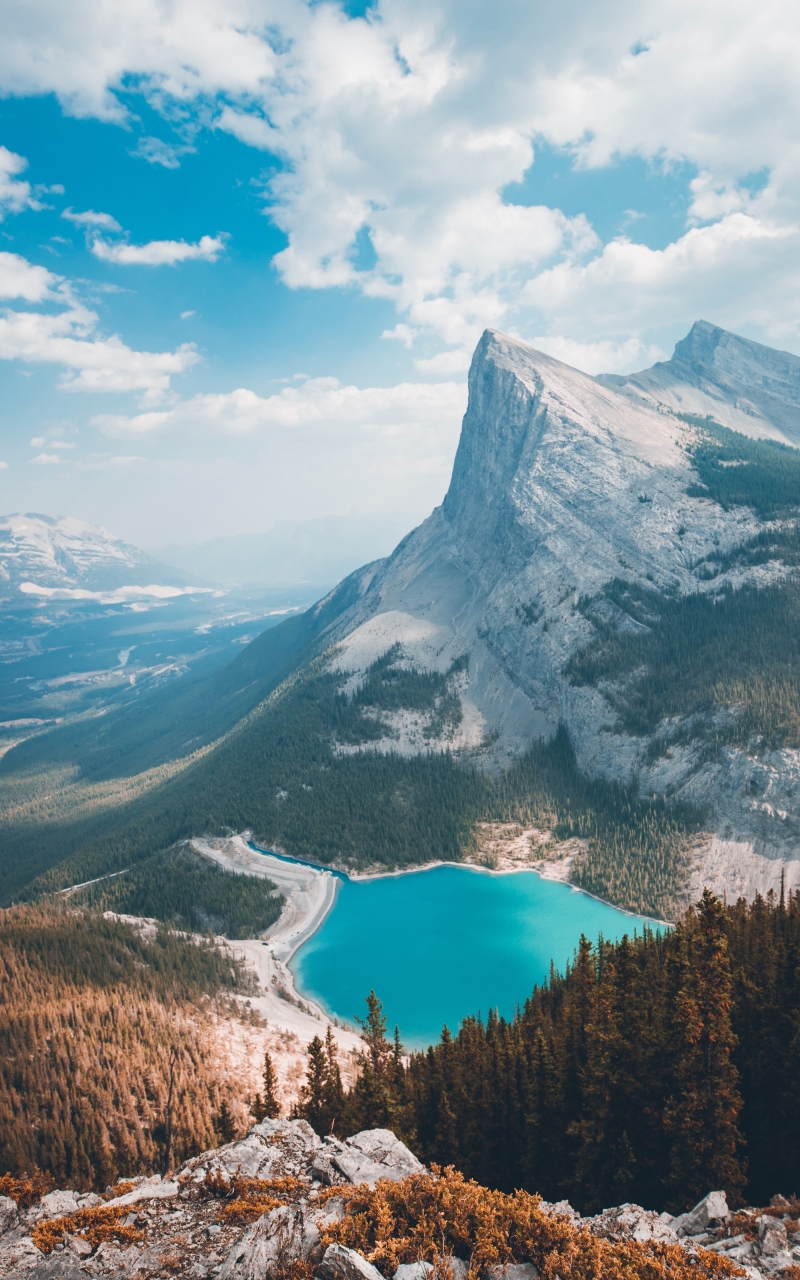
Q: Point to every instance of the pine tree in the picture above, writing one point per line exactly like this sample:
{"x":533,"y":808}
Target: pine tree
{"x":703,"y":1114}
{"x":311,"y":1106}
{"x":224,"y":1124}
{"x":333,"y":1090}
{"x":267,"y":1106}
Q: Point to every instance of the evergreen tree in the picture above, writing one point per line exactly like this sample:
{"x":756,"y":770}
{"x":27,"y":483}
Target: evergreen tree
{"x":224,"y":1123}
{"x":703,"y":1114}
{"x":267,"y":1106}
{"x":311,"y":1106}
{"x":333,"y":1091}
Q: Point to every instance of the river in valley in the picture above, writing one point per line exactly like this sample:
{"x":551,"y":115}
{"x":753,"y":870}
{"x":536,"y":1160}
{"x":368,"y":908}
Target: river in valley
{"x":440,"y":944}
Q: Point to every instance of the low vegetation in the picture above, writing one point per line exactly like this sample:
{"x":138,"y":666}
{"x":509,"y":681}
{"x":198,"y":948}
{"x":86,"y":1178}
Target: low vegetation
{"x":106,"y":1053}
{"x":433,"y":1219}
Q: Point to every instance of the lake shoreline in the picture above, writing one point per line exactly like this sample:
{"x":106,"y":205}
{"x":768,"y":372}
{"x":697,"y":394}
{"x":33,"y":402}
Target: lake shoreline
{"x":537,"y":868}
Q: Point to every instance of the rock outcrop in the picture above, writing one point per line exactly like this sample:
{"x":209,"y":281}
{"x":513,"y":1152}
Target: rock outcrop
{"x":191,"y":1232}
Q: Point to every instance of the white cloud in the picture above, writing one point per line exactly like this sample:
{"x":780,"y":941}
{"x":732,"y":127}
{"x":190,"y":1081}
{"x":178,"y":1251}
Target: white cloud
{"x":404,"y":128}
{"x":22,"y":279}
{"x":45,"y":459}
{"x":3,"y":466}
{"x":14,"y":194}
{"x":89,"y":218}
{"x":154,"y":151}
{"x":38,"y":442}
{"x":68,"y":337}
{"x":107,"y":462}
{"x":319,"y":402}
{"x":159,"y":253}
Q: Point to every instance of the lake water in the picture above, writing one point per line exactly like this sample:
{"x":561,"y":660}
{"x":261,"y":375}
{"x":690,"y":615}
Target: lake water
{"x":438,"y":945}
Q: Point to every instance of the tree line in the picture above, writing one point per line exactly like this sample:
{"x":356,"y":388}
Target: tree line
{"x":655,"y":1069}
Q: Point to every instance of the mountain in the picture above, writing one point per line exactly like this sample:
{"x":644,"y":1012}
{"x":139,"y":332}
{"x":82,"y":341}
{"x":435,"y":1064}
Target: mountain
{"x":741,"y":384}
{"x":319,"y":551}
{"x":69,"y":555}
{"x":595,"y":638}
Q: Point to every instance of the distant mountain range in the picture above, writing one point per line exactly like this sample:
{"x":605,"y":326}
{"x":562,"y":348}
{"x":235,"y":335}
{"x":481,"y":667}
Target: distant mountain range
{"x":602,"y":619}
{"x":319,"y":552}
{"x":67,"y":555}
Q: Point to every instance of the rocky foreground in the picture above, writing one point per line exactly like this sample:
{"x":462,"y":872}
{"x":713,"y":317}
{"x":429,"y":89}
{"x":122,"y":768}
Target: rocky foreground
{"x":269,"y":1204}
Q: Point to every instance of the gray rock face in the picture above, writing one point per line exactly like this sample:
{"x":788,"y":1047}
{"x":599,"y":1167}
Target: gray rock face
{"x":286,"y":1235}
{"x":711,"y":1210}
{"x":742,"y":384}
{"x":271,"y":1149}
{"x":772,"y":1237}
{"x":561,"y":483}
{"x":375,"y":1154}
{"x":513,"y":1271}
{"x":341,"y":1263}
{"x":413,"y":1271}
{"x":631,"y":1222}
{"x":8,"y":1214}
{"x":57,"y":1203}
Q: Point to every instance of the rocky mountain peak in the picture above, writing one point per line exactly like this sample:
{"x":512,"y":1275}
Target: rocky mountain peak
{"x":742,"y":384}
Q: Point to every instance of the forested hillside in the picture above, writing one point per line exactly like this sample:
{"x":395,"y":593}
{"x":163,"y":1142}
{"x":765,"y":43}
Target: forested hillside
{"x":657,"y":1067}
{"x":183,"y":888}
{"x":105,"y":1058}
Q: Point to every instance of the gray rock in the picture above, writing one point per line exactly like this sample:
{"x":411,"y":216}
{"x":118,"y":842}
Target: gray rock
{"x":285,"y":1235}
{"x":57,"y":1204}
{"x":372,"y":1155}
{"x":772,"y":1237}
{"x":8,"y":1214}
{"x":459,"y":1269}
{"x":272,"y":1149}
{"x":513,"y":1271}
{"x":631,"y":1222}
{"x":413,"y":1271}
{"x":341,"y":1263}
{"x":712,"y":1209}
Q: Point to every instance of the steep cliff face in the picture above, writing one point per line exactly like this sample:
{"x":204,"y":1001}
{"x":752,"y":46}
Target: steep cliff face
{"x":561,"y":484}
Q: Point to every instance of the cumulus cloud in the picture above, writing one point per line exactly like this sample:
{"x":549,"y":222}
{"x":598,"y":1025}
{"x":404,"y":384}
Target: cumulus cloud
{"x":402,"y":130}
{"x":22,"y":279}
{"x":159,"y":253}
{"x":45,"y":459}
{"x":3,"y":466}
{"x":69,"y":337}
{"x":316,"y":402}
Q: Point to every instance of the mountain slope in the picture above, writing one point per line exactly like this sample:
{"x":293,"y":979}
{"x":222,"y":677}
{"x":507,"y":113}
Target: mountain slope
{"x":741,"y":384}
{"x":603,"y":576}
{"x":71,"y":555}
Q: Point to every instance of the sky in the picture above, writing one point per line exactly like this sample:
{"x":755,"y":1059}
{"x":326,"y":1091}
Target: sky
{"x":248,"y":246}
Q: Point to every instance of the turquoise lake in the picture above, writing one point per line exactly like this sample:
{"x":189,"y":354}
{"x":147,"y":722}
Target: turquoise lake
{"x":438,"y":945}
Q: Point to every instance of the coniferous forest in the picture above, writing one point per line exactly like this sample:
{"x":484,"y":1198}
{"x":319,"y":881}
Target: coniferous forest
{"x":656,"y":1068}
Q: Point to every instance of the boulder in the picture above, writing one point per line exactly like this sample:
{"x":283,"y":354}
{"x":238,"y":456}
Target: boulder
{"x":772,"y":1237}
{"x":155,"y":1188}
{"x":341,"y":1263}
{"x":413,"y":1271}
{"x":57,"y":1204}
{"x":712,"y":1209}
{"x":271,"y":1149}
{"x":631,"y":1222}
{"x":8,"y":1214}
{"x":459,"y":1269}
{"x":513,"y":1271}
{"x":372,"y":1155}
{"x":288,"y":1234}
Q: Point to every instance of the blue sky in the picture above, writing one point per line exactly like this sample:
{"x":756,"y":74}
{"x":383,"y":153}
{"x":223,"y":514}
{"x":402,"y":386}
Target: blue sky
{"x":247,"y":248}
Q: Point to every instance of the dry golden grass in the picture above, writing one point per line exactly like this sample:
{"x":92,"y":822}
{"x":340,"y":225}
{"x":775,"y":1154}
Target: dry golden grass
{"x":431,"y":1219}
{"x":92,"y":1225}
